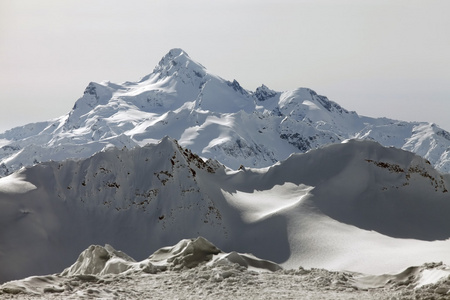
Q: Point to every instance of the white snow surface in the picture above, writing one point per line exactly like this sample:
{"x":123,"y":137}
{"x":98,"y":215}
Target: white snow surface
{"x":196,"y":269}
{"x":15,"y":183}
{"x":355,"y":206}
{"x":214,"y":117}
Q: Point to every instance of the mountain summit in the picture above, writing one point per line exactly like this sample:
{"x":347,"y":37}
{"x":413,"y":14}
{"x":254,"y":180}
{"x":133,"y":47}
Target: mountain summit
{"x":214,"y":117}
{"x":177,"y":60}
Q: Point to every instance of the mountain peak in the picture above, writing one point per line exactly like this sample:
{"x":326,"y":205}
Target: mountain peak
{"x":263,"y":93}
{"x":177,"y":61}
{"x":177,"y":52}
{"x":174,"y":55}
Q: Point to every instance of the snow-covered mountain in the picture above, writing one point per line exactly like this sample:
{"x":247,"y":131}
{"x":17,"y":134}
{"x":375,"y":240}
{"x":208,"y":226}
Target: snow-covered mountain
{"x":352,"y":206}
{"x":214,"y":117}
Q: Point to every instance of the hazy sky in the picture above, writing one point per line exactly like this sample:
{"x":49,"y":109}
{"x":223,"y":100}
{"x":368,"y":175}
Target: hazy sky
{"x":379,"y":58}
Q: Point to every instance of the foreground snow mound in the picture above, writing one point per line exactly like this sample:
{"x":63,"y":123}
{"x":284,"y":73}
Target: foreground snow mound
{"x":97,"y":264}
{"x":187,"y":253}
{"x":98,"y":260}
{"x":246,"y":260}
{"x":196,"y":269}
{"x":215,"y":117}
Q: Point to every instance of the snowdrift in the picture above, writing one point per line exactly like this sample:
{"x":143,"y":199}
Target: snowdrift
{"x":354,"y":206}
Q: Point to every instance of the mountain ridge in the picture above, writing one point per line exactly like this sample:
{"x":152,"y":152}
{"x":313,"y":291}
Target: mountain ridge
{"x":293,"y":212}
{"x":216,"y":118}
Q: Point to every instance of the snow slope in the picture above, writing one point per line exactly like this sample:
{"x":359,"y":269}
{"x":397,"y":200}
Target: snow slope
{"x":353,"y":206}
{"x":214,"y":117}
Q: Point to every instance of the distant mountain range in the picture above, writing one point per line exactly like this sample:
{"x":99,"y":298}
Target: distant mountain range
{"x":352,"y":206}
{"x":214,"y":117}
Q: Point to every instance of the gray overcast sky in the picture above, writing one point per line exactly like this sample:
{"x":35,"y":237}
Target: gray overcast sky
{"x":379,"y":58}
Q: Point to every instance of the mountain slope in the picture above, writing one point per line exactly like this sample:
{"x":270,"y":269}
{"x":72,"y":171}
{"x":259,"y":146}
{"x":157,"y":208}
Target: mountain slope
{"x":214,"y":117}
{"x":314,"y":209}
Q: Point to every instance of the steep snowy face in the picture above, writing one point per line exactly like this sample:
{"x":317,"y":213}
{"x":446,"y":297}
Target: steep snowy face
{"x":263,"y":93}
{"x":374,"y":188}
{"x":178,"y":63}
{"x":116,"y":196}
{"x":94,"y":95}
{"x":214,"y":117}
{"x":345,"y":206}
{"x":192,"y":83}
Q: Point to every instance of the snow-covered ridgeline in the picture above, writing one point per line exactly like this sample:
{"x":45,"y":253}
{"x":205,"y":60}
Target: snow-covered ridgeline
{"x":214,"y":117}
{"x":352,"y":206}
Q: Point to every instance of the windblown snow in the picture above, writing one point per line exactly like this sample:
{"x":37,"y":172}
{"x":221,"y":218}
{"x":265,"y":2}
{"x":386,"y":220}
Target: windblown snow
{"x":214,"y":117}
{"x":15,"y":184}
{"x":257,"y":205}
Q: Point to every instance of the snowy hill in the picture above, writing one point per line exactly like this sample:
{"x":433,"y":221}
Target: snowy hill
{"x":352,"y":206}
{"x":214,"y":117}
